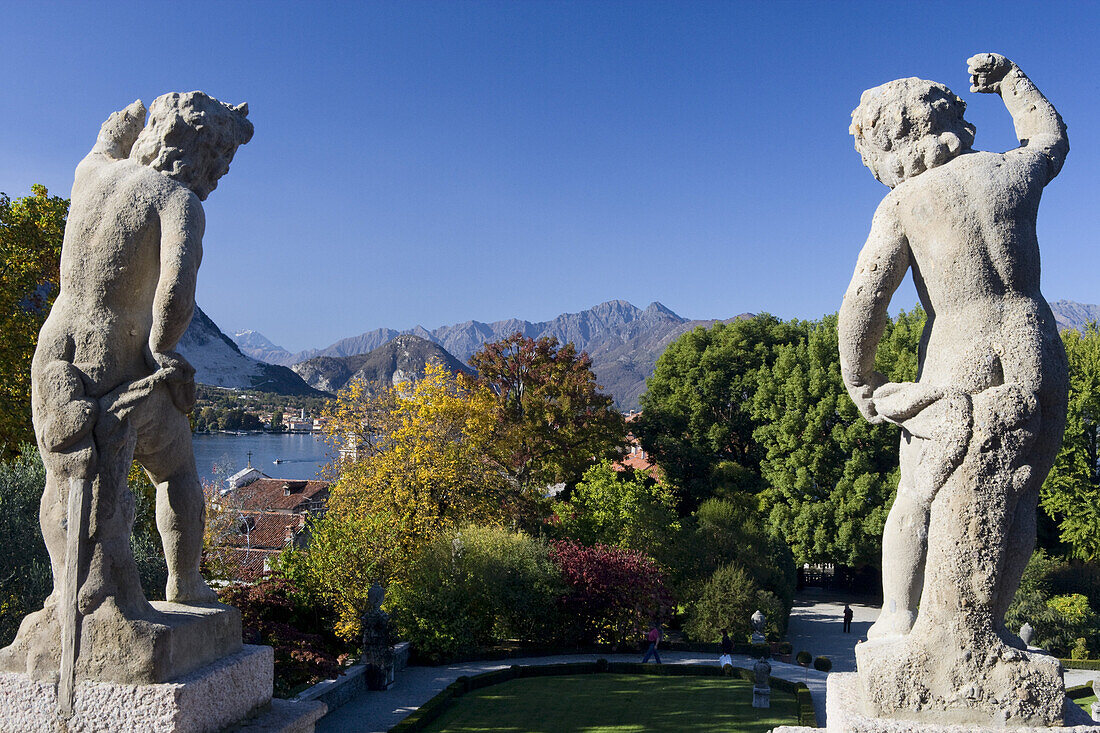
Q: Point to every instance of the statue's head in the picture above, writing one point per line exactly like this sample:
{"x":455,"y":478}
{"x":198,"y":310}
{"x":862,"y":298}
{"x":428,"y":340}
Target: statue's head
{"x":907,"y":126}
{"x":191,"y":138}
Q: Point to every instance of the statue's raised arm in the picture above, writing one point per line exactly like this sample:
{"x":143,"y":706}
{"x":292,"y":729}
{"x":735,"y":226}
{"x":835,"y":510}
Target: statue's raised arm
{"x":1039,"y":127}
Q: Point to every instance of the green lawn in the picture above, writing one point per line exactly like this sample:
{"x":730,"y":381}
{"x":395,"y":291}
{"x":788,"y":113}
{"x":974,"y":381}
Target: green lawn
{"x":619,"y":703}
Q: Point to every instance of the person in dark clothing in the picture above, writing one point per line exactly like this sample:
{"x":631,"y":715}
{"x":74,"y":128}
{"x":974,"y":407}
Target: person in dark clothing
{"x":727,"y":643}
{"x":848,"y":614}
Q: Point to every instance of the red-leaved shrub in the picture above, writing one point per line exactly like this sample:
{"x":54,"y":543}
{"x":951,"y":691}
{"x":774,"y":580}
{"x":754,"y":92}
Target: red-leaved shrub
{"x":613,"y":594}
{"x":272,"y":614}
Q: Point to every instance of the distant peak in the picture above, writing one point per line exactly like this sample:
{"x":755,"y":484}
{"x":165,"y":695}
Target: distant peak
{"x":657,"y":307}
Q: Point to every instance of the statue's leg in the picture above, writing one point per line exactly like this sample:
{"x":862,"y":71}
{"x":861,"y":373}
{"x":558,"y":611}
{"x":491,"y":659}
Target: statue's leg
{"x":164,"y":451}
{"x":904,"y":544}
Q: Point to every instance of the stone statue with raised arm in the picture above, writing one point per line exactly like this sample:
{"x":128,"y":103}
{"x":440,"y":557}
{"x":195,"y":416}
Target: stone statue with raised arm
{"x":108,"y":387}
{"x":983,"y":422}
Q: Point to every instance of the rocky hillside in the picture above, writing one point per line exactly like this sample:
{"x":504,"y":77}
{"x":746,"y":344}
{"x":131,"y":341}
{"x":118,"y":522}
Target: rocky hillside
{"x":400,"y":359}
{"x":1071,"y":314}
{"x":219,"y":362}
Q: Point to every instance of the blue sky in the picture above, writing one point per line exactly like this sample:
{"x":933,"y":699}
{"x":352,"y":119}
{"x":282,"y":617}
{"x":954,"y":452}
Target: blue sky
{"x":429,"y":163}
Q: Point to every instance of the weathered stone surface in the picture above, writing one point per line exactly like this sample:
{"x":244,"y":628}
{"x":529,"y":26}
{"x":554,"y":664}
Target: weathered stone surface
{"x":844,"y":715}
{"x":170,"y":642}
{"x":108,"y":387}
{"x":283,"y":716}
{"x":983,"y":422}
{"x":203,"y":701}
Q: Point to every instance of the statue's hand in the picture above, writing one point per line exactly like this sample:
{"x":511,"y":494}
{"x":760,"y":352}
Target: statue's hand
{"x":179,"y":377}
{"x":863,"y":396}
{"x":987,"y":70}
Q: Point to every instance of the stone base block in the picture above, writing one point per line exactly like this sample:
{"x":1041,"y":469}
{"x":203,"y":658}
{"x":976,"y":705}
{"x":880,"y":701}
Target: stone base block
{"x":761,"y":697}
{"x":843,"y":714}
{"x":206,"y":700}
{"x":170,"y":640}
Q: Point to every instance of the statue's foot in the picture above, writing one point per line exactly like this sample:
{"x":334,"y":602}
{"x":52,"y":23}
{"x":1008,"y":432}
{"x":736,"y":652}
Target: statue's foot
{"x":889,"y":624}
{"x":189,"y":590}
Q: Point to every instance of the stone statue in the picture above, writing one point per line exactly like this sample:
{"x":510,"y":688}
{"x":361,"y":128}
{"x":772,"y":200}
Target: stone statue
{"x":108,"y":387}
{"x":983,"y":422}
{"x":1027,"y":633}
{"x":377,"y":644}
{"x":758,"y":620}
{"x":761,"y":687}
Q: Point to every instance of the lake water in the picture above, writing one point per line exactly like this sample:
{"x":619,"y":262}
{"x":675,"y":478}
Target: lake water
{"x":218,"y":456}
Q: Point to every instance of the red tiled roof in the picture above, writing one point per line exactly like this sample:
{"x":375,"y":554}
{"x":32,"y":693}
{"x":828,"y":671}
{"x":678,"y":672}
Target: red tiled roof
{"x":263,"y":530}
{"x":270,"y":494}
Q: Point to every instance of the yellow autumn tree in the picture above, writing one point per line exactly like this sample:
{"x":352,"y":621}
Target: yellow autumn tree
{"x":414,"y":465}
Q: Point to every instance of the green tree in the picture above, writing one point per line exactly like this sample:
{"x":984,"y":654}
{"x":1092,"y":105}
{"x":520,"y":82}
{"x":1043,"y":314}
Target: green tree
{"x":476,"y":587}
{"x":623,"y":508}
{"x":25,"y":577}
{"x":727,"y":601}
{"x":831,"y":475}
{"x":553,"y":421}
{"x":1071,"y":492}
{"x":696,"y":420}
{"x":31,"y":232}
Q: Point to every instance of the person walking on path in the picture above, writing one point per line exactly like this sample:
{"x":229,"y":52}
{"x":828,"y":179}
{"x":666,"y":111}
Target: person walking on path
{"x":654,"y":638}
{"x":848,"y":614}
{"x":726,"y":647}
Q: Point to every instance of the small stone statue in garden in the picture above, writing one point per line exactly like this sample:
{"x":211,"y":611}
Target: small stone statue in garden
{"x":983,"y":423}
{"x":761,"y":688}
{"x":758,"y":620}
{"x":1027,"y":633}
{"x":377,"y":645}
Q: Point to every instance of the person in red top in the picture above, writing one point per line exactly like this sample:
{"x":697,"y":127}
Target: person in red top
{"x":654,"y":637}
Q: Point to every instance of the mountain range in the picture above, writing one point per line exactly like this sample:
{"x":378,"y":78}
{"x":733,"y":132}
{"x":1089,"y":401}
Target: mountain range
{"x":623,"y":340}
{"x":396,"y":361}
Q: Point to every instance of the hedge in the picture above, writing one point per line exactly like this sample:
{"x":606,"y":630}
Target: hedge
{"x":1080,"y":663}
{"x":419,"y":719}
{"x":499,"y":654}
{"x":1078,"y":692}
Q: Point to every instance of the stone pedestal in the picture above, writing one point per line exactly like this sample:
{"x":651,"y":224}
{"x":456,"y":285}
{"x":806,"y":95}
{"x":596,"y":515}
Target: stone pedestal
{"x":761,"y":697}
{"x":758,"y":638}
{"x":1096,"y":711}
{"x":844,"y":714}
{"x":168,"y":642}
{"x":207,"y":699}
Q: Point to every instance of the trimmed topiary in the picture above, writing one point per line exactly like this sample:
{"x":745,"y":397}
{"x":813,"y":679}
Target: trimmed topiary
{"x":804,"y":658}
{"x":823,"y":664}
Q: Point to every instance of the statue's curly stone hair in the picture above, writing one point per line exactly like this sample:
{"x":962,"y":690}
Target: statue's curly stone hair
{"x":211,"y":133}
{"x":904,"y":127}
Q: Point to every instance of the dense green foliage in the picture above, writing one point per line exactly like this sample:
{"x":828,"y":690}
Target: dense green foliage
{"x":31,"y":232}
{"x":627,"y":509}
{"x":755,"y":412}
{"x":25,"y":578}
{"x":696,"y":421}
{"x":727,"y":601}
{"x":475,"y":588}
{"x":1071,"y":492}
{"x":1061,"y":601}
{"x":831,"y":475}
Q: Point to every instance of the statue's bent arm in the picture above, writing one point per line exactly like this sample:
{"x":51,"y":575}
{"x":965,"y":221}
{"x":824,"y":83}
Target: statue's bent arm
{"x":1039,"y":127}
{"x":182,"y":225}
{"x":880,"y":269}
